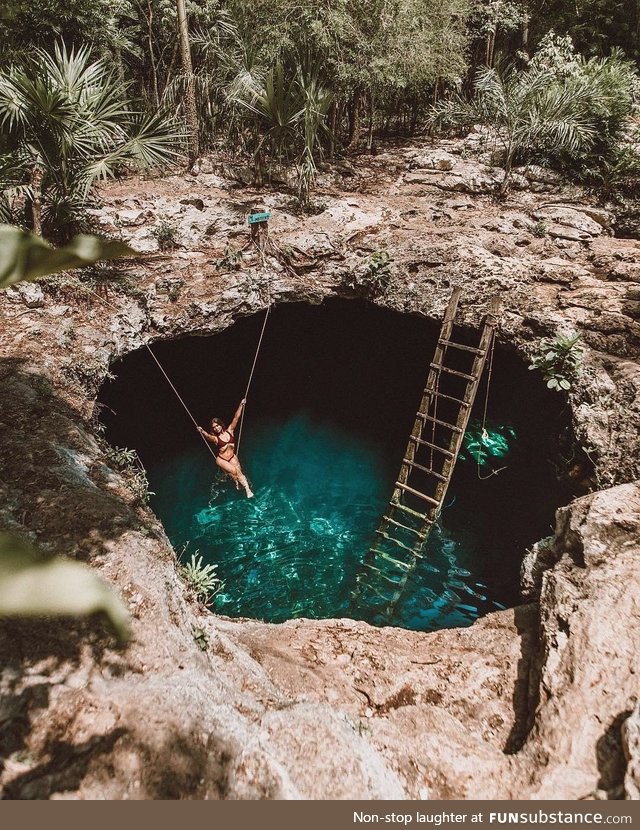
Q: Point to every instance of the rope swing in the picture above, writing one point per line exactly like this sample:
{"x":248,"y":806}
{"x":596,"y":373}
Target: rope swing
{"x":260,"y":240}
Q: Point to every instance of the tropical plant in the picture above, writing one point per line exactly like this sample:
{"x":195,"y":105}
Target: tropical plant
{"x":559,"y":360}
{"x":526,"y":111}
{"x":64,"y":124}
{"x":202,"y":579}
{"x":289,"y":117}
{"x":316,"y":101}
{"x":561,"y":107}
{"x":128,"y":462}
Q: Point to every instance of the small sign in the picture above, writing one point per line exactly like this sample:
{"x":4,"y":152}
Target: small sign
{"x":255,"y":218}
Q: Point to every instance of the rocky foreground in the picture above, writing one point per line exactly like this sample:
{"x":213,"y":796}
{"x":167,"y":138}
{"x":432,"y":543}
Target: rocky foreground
{"x":536,"y":702}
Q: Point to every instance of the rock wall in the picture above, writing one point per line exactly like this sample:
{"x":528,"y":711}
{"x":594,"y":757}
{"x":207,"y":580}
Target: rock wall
{"x":539,"y":701}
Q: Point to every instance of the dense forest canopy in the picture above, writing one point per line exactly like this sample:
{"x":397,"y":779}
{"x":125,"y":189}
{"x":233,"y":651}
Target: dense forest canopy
{"x":295,"y":81}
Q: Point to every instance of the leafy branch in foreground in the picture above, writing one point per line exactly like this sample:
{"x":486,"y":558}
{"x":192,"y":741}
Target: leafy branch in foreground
{"x":31,"y":585}
{"x":24,"y":256}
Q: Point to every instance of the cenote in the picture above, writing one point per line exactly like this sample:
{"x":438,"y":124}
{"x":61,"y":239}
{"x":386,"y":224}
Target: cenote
{"x":332,"y":402}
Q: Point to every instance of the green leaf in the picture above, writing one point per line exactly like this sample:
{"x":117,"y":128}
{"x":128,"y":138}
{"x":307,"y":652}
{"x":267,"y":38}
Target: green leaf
{"x":564,"y":384}
{"x":24,"y":256}
{"x":32,"y":587}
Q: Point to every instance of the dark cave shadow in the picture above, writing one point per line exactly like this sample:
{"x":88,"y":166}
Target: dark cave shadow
{"x":526,"y":688}
{"x":612,"y":764}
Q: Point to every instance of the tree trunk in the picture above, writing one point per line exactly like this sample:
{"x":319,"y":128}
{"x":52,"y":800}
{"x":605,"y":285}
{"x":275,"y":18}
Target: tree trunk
{"x":333,"y":124}
{"x":154,"y":71}
{"x":36,"y":205}
{"x":370,"y":132}
{"x":491,"y":44}
{"x":354,"y":121}
{"x":190,"y":108}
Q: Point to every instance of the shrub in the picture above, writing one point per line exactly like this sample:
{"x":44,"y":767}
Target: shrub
{"x":166,"y":235}
{"x":378,"y":273}
{"x":201,"y":579}
{"x":128,"y":463}
{"x":561,"y":107}
{"x":559,"y":360}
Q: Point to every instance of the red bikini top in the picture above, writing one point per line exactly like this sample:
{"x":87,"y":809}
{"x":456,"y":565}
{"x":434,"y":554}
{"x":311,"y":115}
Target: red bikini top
{"x":221,"y":445}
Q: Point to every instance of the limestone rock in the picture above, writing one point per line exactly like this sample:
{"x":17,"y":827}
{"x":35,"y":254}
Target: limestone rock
{"x":438,"y":160}
{"x":30,"y":294}
{"x":525,"y":703}
{"x":568,"y":222}
{"x":588,"y":609}
{"x":134,"y":217}
{"x":538,"y":174}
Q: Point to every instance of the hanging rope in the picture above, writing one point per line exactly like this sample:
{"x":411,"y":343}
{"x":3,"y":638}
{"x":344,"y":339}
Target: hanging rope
{"x":106,"y":303}
{"x":260,"y":246}
{"x":114,"y":308}
{"x":484,"y":434}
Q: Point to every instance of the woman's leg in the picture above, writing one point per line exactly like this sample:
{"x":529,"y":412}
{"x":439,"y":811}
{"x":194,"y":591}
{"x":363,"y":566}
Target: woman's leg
{"x":233,"y":469}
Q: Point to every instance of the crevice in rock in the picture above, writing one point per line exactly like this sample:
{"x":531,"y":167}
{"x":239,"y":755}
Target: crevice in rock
{"x":612,"y":764}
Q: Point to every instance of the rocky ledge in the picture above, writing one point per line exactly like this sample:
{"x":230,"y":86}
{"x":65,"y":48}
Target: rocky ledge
{"x":537,"y":702}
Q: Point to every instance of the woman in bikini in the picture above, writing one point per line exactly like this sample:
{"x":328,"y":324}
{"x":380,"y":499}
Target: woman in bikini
{"x":223,"y":440}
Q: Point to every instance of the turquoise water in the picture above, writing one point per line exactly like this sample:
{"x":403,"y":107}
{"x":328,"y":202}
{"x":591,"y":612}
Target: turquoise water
{"x":333,"y":399}
{"x":295,"y":549}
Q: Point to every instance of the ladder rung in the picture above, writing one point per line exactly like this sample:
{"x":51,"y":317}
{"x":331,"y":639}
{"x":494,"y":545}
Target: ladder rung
{"x":404,"y":527}
{"x":397,"y":542}
{"x":417,"y":493}
{"x":449,"y":371}
{"x":384,"y":555}
{"x":460,"y":346}
{"x":424,"y":469}
{"x":450,"y":398}
{"x":424,"y":443}
{"x":380,"y":575}
{"x":433,"y":420}
{"x":424,"y":519}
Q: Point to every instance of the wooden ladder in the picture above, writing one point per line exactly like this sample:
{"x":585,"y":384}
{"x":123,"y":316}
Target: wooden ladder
{"x":427,"y":466}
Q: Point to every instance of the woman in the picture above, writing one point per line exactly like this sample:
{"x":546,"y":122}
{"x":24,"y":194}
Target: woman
{"x":224,"y":442}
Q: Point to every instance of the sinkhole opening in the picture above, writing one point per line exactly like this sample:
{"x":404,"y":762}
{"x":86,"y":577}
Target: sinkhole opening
{"x":332,"y":404}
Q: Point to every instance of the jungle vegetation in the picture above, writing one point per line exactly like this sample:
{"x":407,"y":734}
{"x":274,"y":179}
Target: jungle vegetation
{"x":95,"y":88}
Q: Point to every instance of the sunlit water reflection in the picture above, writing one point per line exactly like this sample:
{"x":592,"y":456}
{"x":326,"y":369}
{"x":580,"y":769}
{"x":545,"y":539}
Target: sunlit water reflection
{"x":295,"y":549}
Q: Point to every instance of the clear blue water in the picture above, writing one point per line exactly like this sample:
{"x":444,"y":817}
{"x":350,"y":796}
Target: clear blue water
{"x":332,"y":402}
{"x":295,"y":549}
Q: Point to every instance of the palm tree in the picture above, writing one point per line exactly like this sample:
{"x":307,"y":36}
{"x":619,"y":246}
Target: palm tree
{"x":527,"y":111}
{"x":65,"y":124}
{"x":190,"y":105}
{"x":289,"y":116}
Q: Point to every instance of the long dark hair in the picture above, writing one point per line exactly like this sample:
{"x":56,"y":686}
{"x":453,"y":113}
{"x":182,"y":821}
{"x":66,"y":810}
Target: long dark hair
{"x":220,"y":423}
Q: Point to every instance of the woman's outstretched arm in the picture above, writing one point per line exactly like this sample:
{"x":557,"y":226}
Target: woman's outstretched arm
{"x":211,"y":438}
{"x":236,"y":417}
